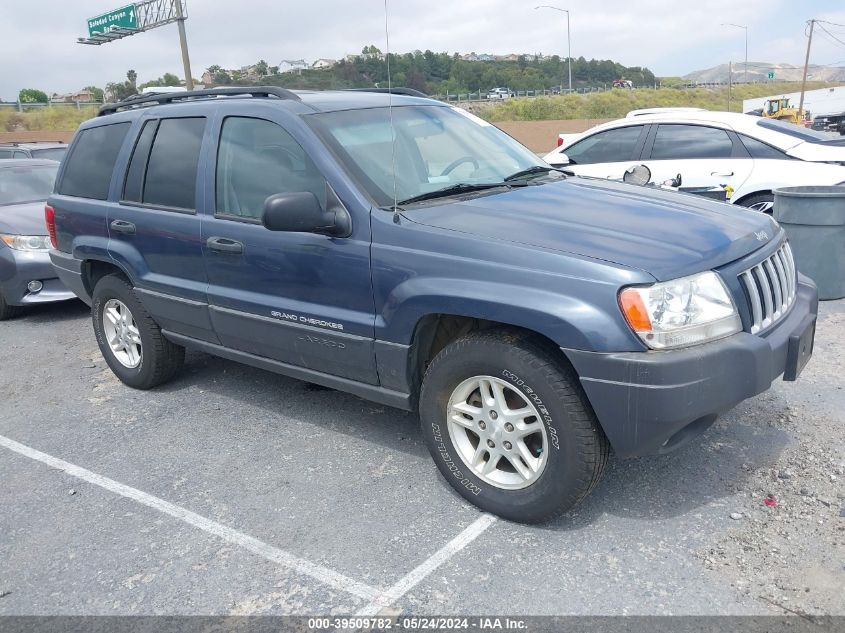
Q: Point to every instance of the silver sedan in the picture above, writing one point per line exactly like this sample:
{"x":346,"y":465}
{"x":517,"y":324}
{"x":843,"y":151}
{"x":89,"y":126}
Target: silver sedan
{"x":26,"y":274}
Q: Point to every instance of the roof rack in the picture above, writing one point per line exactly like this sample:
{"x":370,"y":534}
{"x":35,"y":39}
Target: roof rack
{"x":408,"y":92}
{"x":169,"y":97}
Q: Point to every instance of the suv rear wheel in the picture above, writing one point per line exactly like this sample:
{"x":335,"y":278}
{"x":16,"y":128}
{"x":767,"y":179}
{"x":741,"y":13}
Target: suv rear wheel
{"x":129,"y":339}
{"x":509,"y":428}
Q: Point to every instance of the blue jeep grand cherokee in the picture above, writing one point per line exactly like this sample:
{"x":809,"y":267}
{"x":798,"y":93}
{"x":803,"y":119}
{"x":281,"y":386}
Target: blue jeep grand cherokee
{"x":405,"y":251}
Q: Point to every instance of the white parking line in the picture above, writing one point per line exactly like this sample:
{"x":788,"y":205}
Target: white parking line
{"x":415,"y":576}
{"x":323,"y":574}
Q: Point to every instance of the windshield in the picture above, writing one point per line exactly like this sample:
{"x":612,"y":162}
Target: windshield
{"x":50,"y":153}
{"x":26,"y":184}
{"x":436,"y":147}
{"x":790,"y":129}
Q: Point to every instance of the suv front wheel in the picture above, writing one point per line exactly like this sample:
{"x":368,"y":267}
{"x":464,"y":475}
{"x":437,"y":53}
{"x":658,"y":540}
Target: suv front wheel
{"x":129,"y":339}
{"x":509,"y":427}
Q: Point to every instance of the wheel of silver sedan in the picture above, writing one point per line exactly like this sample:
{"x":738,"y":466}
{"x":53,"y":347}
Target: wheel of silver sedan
{"x":122,"y":333}
{"x":497,"y":432}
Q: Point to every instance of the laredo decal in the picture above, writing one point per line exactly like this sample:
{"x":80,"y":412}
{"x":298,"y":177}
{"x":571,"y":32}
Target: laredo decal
{"x":299,"y":318}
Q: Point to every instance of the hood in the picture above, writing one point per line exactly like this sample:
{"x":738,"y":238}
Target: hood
{"x":665,"y":233}
{"x":823,"y":152}
{"x":23,"y":219}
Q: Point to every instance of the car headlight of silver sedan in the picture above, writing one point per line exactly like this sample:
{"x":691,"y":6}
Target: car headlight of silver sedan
{"x":681,"y":312}
{"x":27,"y":242}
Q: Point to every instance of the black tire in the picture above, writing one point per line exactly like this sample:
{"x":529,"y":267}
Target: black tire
{"x":7,"y":311}
{"x":573,"y":467}
{"x":160,"y":358}
{"x":759,"y":199}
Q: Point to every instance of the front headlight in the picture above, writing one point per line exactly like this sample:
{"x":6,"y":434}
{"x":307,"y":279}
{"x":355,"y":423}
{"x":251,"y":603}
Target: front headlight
{"x":27,"y":242}
{"x":681,"y":312}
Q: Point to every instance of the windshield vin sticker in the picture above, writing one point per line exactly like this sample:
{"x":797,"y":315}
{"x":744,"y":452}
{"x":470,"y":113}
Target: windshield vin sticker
{"x":307,"y":320}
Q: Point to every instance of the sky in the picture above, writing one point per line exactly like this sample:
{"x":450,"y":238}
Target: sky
{"x":38,"y":46}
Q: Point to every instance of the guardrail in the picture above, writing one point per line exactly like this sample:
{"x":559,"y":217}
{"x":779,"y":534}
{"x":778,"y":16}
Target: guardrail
{"x":29,"y":107}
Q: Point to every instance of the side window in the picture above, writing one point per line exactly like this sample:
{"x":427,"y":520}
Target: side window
{"x":257,"y":159}
{"x":5,"y":153}
{"x":91,"y":161}
{"x":171,"y":173}
{"x":759,"y":149}
{"x":20,"y":154}
{"x":133,"y":187}
{"x":610,"y":146}
{"x":677,"y":142}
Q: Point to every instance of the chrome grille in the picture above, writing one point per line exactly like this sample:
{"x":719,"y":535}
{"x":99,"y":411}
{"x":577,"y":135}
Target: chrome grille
{"x":770,"y":286}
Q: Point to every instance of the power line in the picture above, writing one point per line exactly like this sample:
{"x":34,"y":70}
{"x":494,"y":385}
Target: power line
{"x":831,"y":35}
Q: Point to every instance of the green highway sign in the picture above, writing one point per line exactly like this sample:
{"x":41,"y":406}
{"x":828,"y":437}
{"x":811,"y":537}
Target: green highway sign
{"x":123,"y":17}
{"x":771,"y":74}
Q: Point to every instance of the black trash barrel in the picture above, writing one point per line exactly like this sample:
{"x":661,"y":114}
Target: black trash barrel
{"x":814,"y":220}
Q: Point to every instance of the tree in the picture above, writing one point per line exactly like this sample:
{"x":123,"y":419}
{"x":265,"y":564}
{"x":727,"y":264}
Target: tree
{"x":261,"y":68}
{"x":169,"y":79}
{"x":31,"y":95}
{"x":132,"y":76}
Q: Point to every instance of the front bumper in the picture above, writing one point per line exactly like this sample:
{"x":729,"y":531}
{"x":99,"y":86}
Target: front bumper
{"x":18,"y":268}
{"x":653,"y":402}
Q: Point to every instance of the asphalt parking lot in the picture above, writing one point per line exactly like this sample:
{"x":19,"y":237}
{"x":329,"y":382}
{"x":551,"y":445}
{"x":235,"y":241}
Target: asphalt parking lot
{"x":236,"y":491}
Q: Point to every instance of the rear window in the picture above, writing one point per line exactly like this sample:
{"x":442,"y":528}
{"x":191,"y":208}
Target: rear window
{"x":26,"y":184}
{"x":50,"y":153}
{"x":790,"y":129}
{"x":91,"y":161}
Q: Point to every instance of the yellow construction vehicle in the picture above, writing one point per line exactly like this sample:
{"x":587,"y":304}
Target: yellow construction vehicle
{"x":781,"y":109}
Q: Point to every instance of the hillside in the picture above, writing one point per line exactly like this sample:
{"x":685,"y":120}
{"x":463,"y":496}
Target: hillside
{"x":616,"y":103}
{"x":758,"y":72}
{"x":438,"y":73}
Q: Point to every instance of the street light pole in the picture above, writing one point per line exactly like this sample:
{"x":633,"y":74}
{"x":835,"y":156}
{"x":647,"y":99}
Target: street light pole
{"x":568,"y":39}
{"x":745,"y":28}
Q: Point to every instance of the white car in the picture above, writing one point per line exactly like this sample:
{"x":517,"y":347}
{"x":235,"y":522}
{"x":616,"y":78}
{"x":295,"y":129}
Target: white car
{"x":499,"y":93}
{"x":752,"y":155}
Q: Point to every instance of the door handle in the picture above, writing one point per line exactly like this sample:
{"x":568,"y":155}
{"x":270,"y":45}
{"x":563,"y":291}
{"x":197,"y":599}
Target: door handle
{"x":122,"y":226}
{"x":721,"y":173}
{"x":224,"y":245}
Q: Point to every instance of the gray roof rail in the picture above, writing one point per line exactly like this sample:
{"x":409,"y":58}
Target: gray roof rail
{"x":170,"y":97}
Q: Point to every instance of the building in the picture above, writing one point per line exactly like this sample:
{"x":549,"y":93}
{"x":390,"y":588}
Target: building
{"x":80,"y":96}
{"x":819,"y":102}
{"x":323,"y":62}
{"x":292,"y":65}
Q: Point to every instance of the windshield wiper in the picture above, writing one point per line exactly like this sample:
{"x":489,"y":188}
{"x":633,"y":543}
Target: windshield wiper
{"x":536,"y":169}
{"x":451,"y":190}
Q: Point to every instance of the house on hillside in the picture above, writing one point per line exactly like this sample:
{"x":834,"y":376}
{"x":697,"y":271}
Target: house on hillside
{"x":510,"y":57}
{"x":80,"y":96}
{"x":292,"y":65}
{"x":469,"y":57}
{"x":322,"y":63}
{"x":486,"y":57}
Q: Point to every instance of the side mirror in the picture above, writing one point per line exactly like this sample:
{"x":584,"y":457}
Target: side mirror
{"x":637,"y":175}
{"x":562,"y":159}
{"x":301,"y":212}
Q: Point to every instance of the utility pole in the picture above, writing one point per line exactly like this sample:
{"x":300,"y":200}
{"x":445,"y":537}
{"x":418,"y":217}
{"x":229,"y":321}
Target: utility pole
{"x":183,"y":42}
{"x":730,"y":82}
{"x":806,"y":66}
{"x":745,"y":28}
{"x":568,"y":39}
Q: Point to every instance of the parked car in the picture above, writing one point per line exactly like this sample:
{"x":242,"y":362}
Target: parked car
{"x":500,"y":93}
{"x":534,"y":320}
{"x":51,"y":151}
{"x":753,"y":156}
{"x":26,"y":275}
